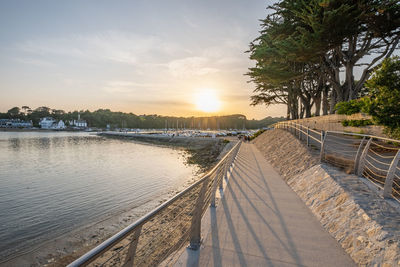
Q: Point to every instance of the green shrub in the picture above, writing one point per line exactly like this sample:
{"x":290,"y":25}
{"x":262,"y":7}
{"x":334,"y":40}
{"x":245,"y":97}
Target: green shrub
{"x":256,"y":134}
{"x":357,"y":123}
{"x":384,"y":90}
{"x":350,"y":107}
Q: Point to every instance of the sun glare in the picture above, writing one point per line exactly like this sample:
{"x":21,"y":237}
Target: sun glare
{"x":207,"y":100}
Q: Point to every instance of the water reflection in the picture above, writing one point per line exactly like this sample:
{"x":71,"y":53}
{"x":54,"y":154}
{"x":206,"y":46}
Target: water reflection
{"x":43,"y":143}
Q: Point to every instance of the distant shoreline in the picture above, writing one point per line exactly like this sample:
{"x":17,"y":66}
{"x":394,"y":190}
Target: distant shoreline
{"x":38,"y":130}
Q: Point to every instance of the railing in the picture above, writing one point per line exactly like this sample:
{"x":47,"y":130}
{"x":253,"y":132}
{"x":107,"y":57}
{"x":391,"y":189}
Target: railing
{"x":151,"y":239}
{"x":373,"y":157}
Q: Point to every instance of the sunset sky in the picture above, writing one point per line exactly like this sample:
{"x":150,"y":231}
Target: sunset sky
{"x":145,"y":57}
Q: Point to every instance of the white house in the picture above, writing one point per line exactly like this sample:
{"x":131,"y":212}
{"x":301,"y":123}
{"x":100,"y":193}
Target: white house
{"x":21,"y":124}
{"x":78,"y":123}
{"x":59,"y":125}
{"x":15,"y":123}
{"x":47,"y":123}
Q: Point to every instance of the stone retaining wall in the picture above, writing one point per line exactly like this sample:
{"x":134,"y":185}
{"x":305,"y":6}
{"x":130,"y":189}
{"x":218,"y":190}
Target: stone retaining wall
{"x":334,"y":123}
{"x":366,"y":225}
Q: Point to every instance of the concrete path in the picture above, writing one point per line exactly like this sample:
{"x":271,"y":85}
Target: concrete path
{"x":260,"y":221}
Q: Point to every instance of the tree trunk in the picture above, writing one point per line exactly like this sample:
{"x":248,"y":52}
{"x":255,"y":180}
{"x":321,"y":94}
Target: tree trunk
{"x":293,"y":103}
{"x":301,"y":111}
{"x":308,"y":110}
{"x":348,"y":89}
{"x":295,"y":107}
{"x":317,"y":101}
{"x":325,"y":102}
{"x":333,"y":102}
{"x":305,"y":106}
{"x":288,"y":111}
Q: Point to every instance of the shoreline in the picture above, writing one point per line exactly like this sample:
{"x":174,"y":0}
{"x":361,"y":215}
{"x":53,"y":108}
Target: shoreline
{"x":201,"y":151}
{"x":17,"y":130}
{"x":67,"y":247}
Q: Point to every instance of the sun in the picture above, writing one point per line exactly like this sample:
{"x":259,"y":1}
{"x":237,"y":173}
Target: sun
{"x":207,"y":100}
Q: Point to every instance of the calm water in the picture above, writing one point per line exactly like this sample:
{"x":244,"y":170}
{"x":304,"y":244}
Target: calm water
{"x":51,"y":183}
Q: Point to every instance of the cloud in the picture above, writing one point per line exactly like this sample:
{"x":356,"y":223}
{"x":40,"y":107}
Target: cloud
{"x":119,"y":47}
{"x":144,"y":52}
{"x":168,"y":103}
{"x":190,"y":66}
{"x":236,"y":97}
{"x":35,"y":62}
{"x":127,"y":87}
{"x":189,"y":22}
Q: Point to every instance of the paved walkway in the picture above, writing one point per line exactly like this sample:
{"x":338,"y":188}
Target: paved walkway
{"x":260,"y":221}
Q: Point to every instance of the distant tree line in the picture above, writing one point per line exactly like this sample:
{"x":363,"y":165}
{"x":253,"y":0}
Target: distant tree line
{"x":103,"y":117}
{"x":308,"y":50}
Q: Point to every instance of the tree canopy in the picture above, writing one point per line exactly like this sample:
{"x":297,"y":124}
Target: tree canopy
{"x":384,"y":98}
{"x":304,"y":45}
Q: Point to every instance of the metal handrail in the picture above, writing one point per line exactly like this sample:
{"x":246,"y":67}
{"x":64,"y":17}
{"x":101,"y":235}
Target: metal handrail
{"x":312,"y":130}
{"x":367,"y":135}
{"x":291,"y":124}
{"x":312,"y":137}
{"x":110,"y":242}
{"x":344,"y":147}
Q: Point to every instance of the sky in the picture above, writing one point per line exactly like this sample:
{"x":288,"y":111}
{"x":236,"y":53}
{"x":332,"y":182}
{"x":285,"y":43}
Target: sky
{"x":144,"y":57}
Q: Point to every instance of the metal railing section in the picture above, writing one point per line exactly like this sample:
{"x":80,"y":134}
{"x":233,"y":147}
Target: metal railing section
{"x":151,"y":239}
{"x":373,"y":157}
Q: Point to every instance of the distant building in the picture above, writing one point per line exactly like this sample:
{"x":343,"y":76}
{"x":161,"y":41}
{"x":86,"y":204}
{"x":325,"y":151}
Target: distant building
{"x":5,"y":123}
{"x":78,"y":123}
{"x":60,"y":125}
{"x":15,"y":123}
{"x":21,"y":124}
{"x":50,"y":123}
{"x":47,"y":123}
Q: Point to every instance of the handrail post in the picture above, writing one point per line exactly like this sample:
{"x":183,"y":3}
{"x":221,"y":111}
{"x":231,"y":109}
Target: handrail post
{"x":308,"y":136}
{"x":322,"y":152}
{"x":195,"y":228}
{"x":218,"y":180}
{"x":221,"y":182}
{"x":358,"y":155}
{"x":132,"y":248}
{"x":214,"y":182}
{"x":387,"y":190}
{"x":223,"y":173}
{"x":361,"y":163}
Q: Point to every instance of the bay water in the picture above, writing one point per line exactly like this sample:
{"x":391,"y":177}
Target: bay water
{"x":54,"y":182}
